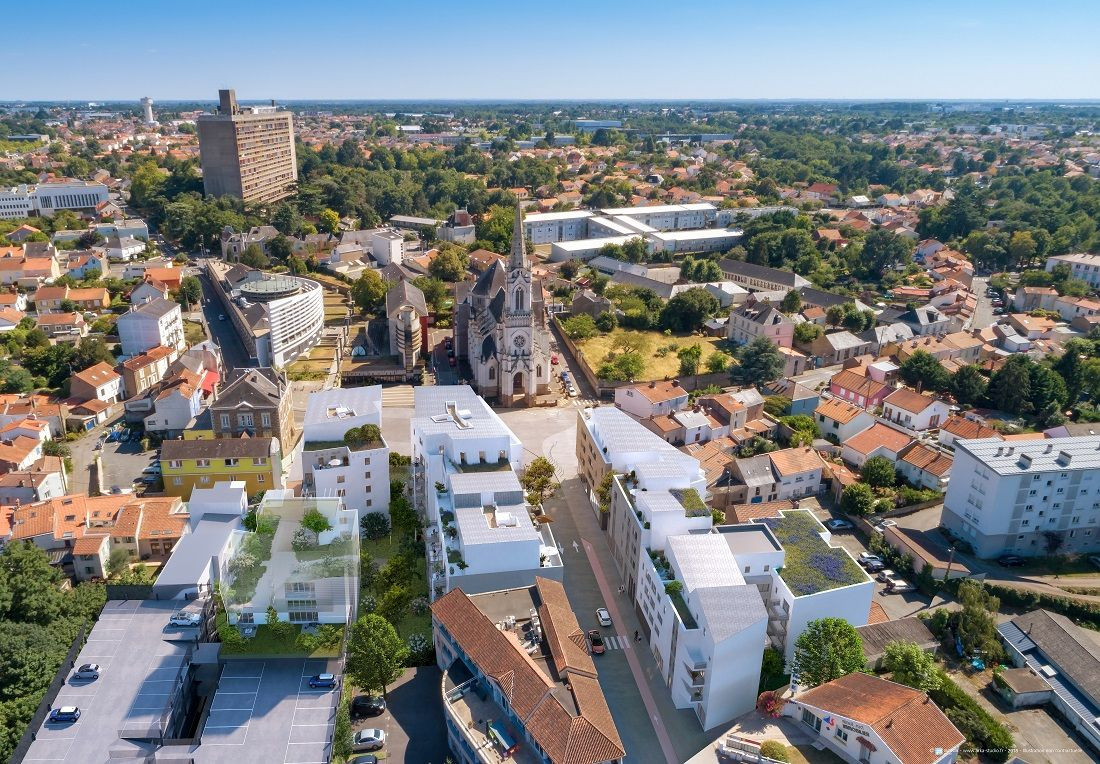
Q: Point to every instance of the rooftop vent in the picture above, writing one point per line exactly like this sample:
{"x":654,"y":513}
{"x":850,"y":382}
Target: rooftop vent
{"x":1064,"y":458}
{"x":1025,"y":461}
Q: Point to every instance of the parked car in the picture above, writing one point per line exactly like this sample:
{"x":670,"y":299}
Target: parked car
{"x":363,"y":706}
{"x":221,"y":316}
{"x":322,"y":681}
{"x":124,"y":437}
{"x":874,"y":567}
{"x":363,"y":758}
{"x":565,"y":376}
{"x":865,"y":557}
{"x":884,"y":576}
{"x":603,"y":617}
{"x":899,"y":586}
{"x":64,"y":714}
{"x":1010,"y":560}
{"x":88,"y":671}
{"x":596,"y":641}
{"x":368,"y":740}
{"x":152,"y":469}
{"x":837,"y":524}
{"x":183,"y":618}
{"x":553,"y":360}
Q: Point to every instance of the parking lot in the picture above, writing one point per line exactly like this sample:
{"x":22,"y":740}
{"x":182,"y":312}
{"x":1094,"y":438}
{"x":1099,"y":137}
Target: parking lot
{"x":270,"y":707}
{"x":122,"y":464}
{"x":413,"y":719}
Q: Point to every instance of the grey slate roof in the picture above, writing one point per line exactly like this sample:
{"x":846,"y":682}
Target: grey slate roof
{"x":730,"y":609}
{"x":876,"y":636}
{"x":1075,"y":654}
{"x":218,"y":448}
{"x":405,"y":293}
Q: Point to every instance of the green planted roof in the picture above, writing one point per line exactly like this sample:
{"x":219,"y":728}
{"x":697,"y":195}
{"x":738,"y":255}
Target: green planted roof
{"x":810,"y":564}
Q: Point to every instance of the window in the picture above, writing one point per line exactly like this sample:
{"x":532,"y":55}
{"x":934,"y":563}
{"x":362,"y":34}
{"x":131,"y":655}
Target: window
{"x":231,"y":462}
{"x":175,"y":463}
{"x":202,"y":462}
{"x":366,"y":475}
{"x":245,"y":420}
{"x":810,"y":720}
{"x":339,"y":478}
{"x":177,"y":481}
{"x":841,"y":734}
{"x":259,"y":461}
{"x":265,"y":419}
{"x":261,"y":478}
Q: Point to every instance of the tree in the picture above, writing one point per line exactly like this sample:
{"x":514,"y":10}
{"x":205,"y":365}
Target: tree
{"x":369,"y":291}
{"x":760,"y":362}
{"x":791,"y":303}
{"x":253,"y":257}
{"x":858,"y":499}
{"x":286,"y":219}
{"x":118,"y":561}
{"x":394,"y":603}
{"x":580,"y":327}
{"x":1048,"y":389}
{"x":375,"y":525}
{"x":687,"y":310}
{"x":968,"y":385}
{"x":357,"y":437}
{"x":1070,"y":368}
{"x":775,"y":750}
{"x":1010,"y":386}
{"x":977,"y":623}
{"x":316,"y":522}
{"x":450,"y":265}
{"x":689,"y":359}
{"x":624,"y":367}
{"x":90,"y":352}
{"x":328,"y":221}
{"x":190,"y":291}
{"x":834,"y":315}
{"x":828,"y":649}
{"x":1022,"y":247}
{"x":376,"y":654}
{"x":538,"y":478}
{"x":922,"y":371}
{"x":436,"y":293}
{"x":910,"y":665}
{"x":718,"y":362}
{"x":606,"y":322}
{"x":805,"y":333}
{"x":28,"y":585}
{"x":403,"y":515}
{"x":878,"y":472}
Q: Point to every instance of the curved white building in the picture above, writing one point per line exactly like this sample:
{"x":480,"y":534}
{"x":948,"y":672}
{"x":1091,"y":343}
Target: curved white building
{"x":295,"y":312}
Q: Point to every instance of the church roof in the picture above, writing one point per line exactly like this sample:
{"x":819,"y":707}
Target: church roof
{"x":488,"y":348}
{"x":518,"y":256}
{"x":491,"y":281}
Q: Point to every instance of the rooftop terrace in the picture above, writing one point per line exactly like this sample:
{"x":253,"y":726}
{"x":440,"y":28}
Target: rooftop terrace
{"x":811,"y":565}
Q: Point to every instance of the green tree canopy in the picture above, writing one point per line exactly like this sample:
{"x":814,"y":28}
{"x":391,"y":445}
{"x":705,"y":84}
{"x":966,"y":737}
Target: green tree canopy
{"x":968,"y":384}
{"x":369,"y":291}
{"x":878,"y":472}
{"x":687,"y":310}
{"x":910,"y":665}
{"x":828,"y":649}
{"x":922,"y":371}
{"x":858,"y":499}
{"x":760,"y":362}
{"x":376,"y":654}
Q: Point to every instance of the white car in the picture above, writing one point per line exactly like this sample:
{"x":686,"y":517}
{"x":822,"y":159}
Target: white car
{"x":368,"y":740}
{"x":603,"y":617}
{"x":183,"y":618}
{"x":899,"y":586}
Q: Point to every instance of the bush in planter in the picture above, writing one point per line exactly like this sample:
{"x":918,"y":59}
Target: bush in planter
{"x":773,"y":749}
{"x":375,"y":525}
{"x":303,"y":540}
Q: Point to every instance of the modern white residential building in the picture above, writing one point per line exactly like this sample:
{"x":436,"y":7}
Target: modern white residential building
{"x":1025,"y":497}
{"x":356,"y":470}
{"x":1084,"y":266}
{"x":47,"y":198}
{"x":156,"y":323}
{"x":295,"y":312}
{"x":550,"y":227}
{"x":481,"y":533}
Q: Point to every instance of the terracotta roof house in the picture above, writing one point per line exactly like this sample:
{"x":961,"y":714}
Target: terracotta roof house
{"x":839,"y":420}
{"x":878,"y":440}
{"x":925,"y":466}
{"x":858,"y":388}
{"x":649,"y":399}
{"x":859,"y":715}
{"x":99,"y":382}
{"x":914,"y":410}
{"x":554,"y":701}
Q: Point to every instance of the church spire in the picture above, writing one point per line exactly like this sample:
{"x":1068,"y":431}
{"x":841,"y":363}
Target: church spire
{"x":518,"y":258}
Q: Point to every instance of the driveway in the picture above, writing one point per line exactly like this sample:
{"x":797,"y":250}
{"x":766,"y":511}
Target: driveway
{"x":122,"y":464}
{"x":413,"y":720}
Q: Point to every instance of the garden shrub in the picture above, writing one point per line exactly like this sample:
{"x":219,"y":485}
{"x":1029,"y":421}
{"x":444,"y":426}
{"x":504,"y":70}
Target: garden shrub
{"x":773,"y":749}
{"x":983,"y":732}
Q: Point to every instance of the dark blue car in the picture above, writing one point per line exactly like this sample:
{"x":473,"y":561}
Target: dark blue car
{"x":322,"y":680}
{"x":65,"y":714}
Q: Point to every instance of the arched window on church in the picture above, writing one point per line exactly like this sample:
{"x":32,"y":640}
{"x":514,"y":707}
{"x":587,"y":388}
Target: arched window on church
{"x":518,"y":302}
{"x":538,"y":371}
{"x":492,"y":372}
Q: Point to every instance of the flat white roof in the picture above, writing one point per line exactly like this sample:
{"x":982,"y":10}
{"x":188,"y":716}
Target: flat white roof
{"x":546,"y":217}
{"x":584,"y":245}
{"x":657,"y":209}
{"x":634,"y":225}
{"x":697,"y":233}
{"x":1040,"y":455}
{"x":614,"y":225}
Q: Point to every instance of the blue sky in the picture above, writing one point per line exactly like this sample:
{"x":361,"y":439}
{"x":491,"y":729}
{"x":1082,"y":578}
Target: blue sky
{"x":405,"y":49}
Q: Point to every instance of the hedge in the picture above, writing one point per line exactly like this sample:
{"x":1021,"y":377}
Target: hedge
{"x":1082,"y":613}
{"x":983,"y":732}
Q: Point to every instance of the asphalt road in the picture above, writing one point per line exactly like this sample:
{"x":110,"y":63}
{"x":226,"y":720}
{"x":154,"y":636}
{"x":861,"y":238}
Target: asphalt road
{"x":222,"y":332}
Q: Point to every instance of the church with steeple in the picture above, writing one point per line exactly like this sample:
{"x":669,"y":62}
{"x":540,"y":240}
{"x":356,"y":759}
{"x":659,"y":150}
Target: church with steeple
{"x":500,"y":329}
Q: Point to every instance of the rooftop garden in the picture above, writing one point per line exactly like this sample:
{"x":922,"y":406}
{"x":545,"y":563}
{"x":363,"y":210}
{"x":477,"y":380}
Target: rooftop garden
{"x":692,"y":502}
{"x":355,"y":439}
{"x":811,"y":565}
{"x":248,"y":564}
{"x":678,"y":602}
{"x":468,"y":467}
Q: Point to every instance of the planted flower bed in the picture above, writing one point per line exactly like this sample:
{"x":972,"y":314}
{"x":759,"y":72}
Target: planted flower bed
{"x":811,"y":565}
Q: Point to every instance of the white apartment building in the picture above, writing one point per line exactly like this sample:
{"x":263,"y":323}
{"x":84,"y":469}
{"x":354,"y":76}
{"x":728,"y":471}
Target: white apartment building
{"x":480,"y":533}
{"x":156,"y":323}
{"x":47,"y":198}
{"x":551,"y":227}
{"x":1084,"y":266}
{"x":387,"y":245}
{"x":358,"y":474}
{"x":1025,"y":497}
{"x":293,"y":310}
{"x":669,"y":217}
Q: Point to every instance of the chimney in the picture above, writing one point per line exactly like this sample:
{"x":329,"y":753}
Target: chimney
{"x":227,"y":102}
{"x":653,"y":384}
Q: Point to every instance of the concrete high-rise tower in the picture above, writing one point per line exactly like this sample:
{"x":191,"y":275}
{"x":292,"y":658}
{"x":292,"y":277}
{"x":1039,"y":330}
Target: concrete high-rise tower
{"x":247,"y":151}
{"x":147,"y":110}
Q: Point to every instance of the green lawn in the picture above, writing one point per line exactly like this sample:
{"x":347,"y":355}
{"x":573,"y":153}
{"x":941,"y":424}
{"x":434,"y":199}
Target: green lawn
{"x":661,"y":359}
{"x":1056,"y":566}
{"x":193,"y":332}
{"x":380,"y":550}
{"x":267,"y":643}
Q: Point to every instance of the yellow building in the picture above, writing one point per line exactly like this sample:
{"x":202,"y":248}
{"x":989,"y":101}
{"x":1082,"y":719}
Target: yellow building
{"x":189,"y":464}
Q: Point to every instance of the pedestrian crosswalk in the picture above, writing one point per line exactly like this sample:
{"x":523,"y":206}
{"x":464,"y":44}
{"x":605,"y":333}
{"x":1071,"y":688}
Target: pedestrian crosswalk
{"x":617,"y":642}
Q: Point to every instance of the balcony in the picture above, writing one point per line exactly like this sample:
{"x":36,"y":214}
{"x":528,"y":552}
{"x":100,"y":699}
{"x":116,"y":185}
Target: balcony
{"x":470,"y":709}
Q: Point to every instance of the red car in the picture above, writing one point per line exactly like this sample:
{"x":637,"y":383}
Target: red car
{"x":596,"y":641}
{"x":553,"y":360}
